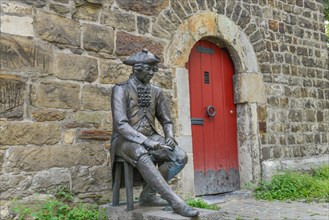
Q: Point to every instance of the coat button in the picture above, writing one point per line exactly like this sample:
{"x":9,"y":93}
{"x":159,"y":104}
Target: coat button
{"x":138,"y":135}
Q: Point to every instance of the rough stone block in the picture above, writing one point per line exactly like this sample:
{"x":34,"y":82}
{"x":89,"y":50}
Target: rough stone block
{"x":178,"y":9}
{"x":93,"y":118}
{"x":98,"y":38}
{"x":114,"y":72}
{"x":96,"y":98}
{"x":11,"y":96}
{"x":50,"y":180}
{"x":12,"y":185}
{"x":248,"y":87}
{"x":21,"y":158}
{"x":91,"y":179}
{"x":34,"y":3}
{"x":95,"y":134}
{"x":163,"y":79}
{"x":42,"y":114}
{"x":57,"y":29}
{"x":143,"y":25}
{"x":60,"y":9}
{"x":119,"y":20}
{"x":56,"y":95}
{"x":74,"y":67}
{"x":9,"y":25}
{"x":22,"y":54}
{"x":271,"y":167}
{"x":89,"y":12}
{"x":69,"y":136}
{"x":15,"y":8}
{"x":127,"y":44}
{"x":152,"y":7}
{"x":22,"y":133}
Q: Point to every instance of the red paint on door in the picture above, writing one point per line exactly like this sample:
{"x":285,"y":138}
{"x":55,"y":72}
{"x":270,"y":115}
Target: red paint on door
{"x":215,"y":141}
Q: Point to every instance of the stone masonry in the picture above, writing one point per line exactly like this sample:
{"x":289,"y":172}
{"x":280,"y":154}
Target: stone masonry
{"x":61,"y":58}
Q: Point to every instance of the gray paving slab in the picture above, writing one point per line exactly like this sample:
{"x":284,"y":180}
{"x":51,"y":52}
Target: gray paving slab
{"x":239,"y":205}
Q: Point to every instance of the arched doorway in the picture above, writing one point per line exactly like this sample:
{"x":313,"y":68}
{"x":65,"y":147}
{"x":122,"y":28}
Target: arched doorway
{"x":213,"y":119}
{"x":249,"y":90}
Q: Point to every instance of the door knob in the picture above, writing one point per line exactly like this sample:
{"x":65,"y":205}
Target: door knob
{"x":211,"y":111}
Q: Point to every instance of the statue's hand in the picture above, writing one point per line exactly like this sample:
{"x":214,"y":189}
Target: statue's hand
{"x":171,"y":143}
{"x":152,"y":145}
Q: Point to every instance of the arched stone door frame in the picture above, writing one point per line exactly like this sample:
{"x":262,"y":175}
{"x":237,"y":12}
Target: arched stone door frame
{"x":248,"y":85}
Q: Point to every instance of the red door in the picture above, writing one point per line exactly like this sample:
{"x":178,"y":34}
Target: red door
{"x":213,"y":119}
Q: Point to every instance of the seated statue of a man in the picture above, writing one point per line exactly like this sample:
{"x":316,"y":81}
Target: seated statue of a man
{"x":135,"y":105}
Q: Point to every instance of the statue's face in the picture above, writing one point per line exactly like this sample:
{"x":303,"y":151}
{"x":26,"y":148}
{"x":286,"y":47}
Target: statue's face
{"x":145,"y":72}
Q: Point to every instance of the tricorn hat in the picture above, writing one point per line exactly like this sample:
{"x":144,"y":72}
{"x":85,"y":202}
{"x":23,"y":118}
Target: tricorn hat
{"x":142,"y":57}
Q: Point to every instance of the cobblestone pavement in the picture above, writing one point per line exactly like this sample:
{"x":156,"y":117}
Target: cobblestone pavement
{"x":242,"y":206}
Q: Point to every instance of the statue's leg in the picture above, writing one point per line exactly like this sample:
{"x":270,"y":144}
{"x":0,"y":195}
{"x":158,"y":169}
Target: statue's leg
{"x":153,"y":178}
{"x":174,"y":164}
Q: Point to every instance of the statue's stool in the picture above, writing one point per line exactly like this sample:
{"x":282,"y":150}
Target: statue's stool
{"x":128,"y":177}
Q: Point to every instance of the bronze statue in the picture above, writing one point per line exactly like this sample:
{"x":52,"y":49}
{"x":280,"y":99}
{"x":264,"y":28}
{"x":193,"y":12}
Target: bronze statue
{"x":135,"y":105}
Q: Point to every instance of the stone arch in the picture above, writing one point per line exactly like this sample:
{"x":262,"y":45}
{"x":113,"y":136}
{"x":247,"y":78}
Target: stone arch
{"x":248,"y":88}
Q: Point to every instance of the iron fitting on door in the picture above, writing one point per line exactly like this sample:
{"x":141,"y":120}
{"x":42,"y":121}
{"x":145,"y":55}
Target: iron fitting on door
{"x":211,"y":111}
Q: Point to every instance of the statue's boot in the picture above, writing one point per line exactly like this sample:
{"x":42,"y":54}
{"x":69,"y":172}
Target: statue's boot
{"x":148,"y":197}
{"x":168,"y":170}
{"x":153,"y":178}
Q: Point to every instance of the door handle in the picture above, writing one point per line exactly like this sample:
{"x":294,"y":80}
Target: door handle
{"x":211,"y":111}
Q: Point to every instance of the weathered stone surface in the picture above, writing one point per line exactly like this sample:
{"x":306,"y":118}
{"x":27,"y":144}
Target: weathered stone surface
{"x":163,"y":79}
{"x":51,"y":180}
{"x":93,"y":118}
{"x":178,"y":9}
{"x":57,"y":29}
{"x":15,"y":8}
{"x":69,"y":136}
{"x":60,"y":9}
{"x":9,"y":25}
{"x":11,"y":96}
{"x":89,"y":12}
{"x":21,"y":158}
{"x":271,"y":167}
{"x":127,"y":44}
{"x":43,"y":114}
{"x":202,"y":4}
{"x":12,"y":185}
{"x":75,"y":67}
{"x":119,"y":20}
{"x":98,"y":38}
{"x":34,"y":3}
{"x":248,"y":88}
{"x":20,"y":133}
{"x":56,"y":95}
{"x":24,"y":54}
{"x":90,"y":179}
{"x":96,"y":98}
{"x":143,"y":24}
{"x":114,"y":72}
{"x":166,"y":24}
{"x":158,"y":31}
{"x":98,"y":135}
{"x":152,"y":7}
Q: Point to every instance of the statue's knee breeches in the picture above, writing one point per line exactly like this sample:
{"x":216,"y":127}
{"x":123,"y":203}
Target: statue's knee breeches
{"x":131,"y":151}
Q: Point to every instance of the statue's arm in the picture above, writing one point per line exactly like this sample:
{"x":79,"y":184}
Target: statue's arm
{"x":120,"y":119}
{"x":163,"y":115}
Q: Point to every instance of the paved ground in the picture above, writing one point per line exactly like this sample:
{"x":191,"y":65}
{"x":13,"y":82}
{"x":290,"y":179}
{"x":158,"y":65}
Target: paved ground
{"x":241,"y":205}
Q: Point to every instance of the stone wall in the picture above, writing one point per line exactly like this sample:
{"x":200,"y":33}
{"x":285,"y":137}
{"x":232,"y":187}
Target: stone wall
{"x":60,"y":59}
